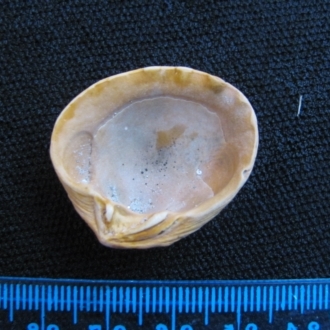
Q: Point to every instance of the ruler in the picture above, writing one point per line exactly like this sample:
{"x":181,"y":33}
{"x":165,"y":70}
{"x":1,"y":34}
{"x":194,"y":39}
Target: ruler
{"x":52,"y":304}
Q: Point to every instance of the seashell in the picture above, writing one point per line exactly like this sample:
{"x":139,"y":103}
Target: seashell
{"x":149,"y":156}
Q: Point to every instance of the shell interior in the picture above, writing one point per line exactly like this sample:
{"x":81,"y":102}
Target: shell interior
{"x":151,"y":156}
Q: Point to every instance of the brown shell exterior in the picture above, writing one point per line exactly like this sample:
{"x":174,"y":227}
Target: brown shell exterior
{"x":114,"y":224}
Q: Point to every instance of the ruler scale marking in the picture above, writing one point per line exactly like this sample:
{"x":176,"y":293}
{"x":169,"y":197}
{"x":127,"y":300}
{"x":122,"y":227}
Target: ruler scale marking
{"x":43,"y":312}
{"x":193,"y":300}
{"x":187,"y":299}
{"x":121,"y":299}
{"x":320,"y":298}
{"x":302,"y":299}
{"x":36,"y":297}
{"x":5,"y":291}
{"x":140,"y":305}
{"x":127,"y":298}
{"x":55,"y":298}
{"x":206,"y":320}
{"x":11,"y":303}
{"x":258,"y":298}
{"x":283,"y":297}
{"x":219,"y":299}
{"x":180,"y":299}
{"x":213,"y":300}
{"x":94,"y":299}
{"x":290,"y":297}
{"x":277,"y":298}
{"x":49,"y":300}
{"x":200,"y":299}
{"x":295,"y":297}
{"x":154,"y":301}
{"x":88,"y":298}
{"x":326,"y":297}
{"x":68,"y":298}
{"x":238,"y":311}
{"x":167,"y":299}
{"x":245,"y":298}
{"x":147,"y":299}
{"x":23,"y":296}
{"x":308,"y":304}
{"x":17,"y":300}
{"x":252,"y":299}
{"x":271,"y":296}
{"x":134,"y":299}
{"x":314,"y":296}
{"x":107,"y":308}
{"x":81,"y":298}
{"x":232,"y":299}
{"x":114,"y":299}
{"x":160,"y":304}
{"x":75,"y":304}
{"x":204,"y":298}
{"x":101,"y":299}
{"x":173,"y":307}
{"x":30,"y":297}
{"x":264,"y":304}
{"x":62,"y":298}
{"x":226,"y":297}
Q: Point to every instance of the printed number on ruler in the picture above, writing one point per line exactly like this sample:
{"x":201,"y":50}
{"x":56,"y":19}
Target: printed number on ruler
{"x":35,"y":326}
{"x":251,"y":326}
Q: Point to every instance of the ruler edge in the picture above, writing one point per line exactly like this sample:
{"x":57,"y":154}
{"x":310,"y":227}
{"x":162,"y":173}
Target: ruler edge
{"x":270,"y":283}
{"x":224,"y":282}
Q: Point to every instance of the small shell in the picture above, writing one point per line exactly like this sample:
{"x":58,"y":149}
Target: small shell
{"x":149,"y":156}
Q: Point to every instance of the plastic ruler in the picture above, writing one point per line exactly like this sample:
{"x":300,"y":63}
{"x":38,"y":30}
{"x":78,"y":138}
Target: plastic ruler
{"x":53,"y":304}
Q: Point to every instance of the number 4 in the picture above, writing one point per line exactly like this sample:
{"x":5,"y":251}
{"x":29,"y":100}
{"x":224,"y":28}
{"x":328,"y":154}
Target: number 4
{"x":291,"y":326}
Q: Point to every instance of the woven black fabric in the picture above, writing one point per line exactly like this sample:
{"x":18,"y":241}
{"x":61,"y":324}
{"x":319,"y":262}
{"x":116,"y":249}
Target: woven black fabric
{"x":278,"y":226}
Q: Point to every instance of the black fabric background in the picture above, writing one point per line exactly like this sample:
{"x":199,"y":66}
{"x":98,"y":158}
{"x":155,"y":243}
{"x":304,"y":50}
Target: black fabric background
{"x":278,"y":226}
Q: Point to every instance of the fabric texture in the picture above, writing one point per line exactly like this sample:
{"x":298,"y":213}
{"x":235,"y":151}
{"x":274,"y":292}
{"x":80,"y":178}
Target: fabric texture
{"x":278,"y":226}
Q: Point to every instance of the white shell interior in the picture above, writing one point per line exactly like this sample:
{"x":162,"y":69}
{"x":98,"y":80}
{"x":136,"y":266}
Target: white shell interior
{"x":150,"y":156}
